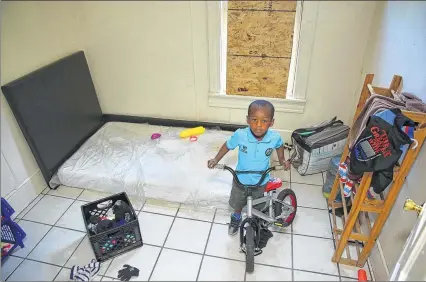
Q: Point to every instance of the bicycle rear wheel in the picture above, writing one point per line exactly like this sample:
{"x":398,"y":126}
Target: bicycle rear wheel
{"x":249,"y":249}
{"x":289,"y":197}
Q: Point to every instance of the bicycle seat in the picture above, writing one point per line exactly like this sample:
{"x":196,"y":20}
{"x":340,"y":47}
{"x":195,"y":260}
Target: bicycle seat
{"x":273,"y":184}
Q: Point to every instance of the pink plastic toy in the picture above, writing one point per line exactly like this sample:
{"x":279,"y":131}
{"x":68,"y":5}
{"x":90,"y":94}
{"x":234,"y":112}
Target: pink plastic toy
{"x":155,"y":136}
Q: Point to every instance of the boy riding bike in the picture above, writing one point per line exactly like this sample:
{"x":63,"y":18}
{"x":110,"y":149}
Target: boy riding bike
{"x":256,"y":143}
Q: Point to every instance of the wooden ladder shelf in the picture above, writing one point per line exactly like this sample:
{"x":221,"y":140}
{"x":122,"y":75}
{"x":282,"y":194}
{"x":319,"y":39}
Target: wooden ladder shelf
{"x":358,"y":226}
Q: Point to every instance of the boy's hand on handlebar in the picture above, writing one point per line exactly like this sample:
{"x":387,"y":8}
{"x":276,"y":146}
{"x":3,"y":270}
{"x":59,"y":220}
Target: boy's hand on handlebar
{"x":286,"y":164}
{"x":211,"y":163}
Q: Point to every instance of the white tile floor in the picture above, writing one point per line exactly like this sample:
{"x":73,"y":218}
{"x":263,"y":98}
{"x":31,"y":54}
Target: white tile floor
{"x":180,"y":242}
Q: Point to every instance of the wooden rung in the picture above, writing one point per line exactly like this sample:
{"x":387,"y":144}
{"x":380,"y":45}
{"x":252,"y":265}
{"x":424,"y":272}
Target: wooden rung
{"x":353,"y":236}
{"x":374,"y":202}
{"x":367,"y":217}
{"x":346,"y":261}
{"x":416,"y":116}
{"x":357,"y":228}
{"x":337,"y":205}
{"x":371,"y":208}
{"x":360,"y":205}
{"x":382,"y":91}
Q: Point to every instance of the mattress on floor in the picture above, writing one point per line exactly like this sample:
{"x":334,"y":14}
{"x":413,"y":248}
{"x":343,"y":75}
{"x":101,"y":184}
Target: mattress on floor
{"x":122,"y":157}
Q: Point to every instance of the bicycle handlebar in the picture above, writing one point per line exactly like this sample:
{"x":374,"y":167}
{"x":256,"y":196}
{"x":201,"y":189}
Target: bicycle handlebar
{"x":234,"y":173}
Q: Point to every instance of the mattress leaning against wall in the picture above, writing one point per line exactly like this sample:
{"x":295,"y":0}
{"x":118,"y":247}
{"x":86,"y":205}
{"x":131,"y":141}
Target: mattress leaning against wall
{"x":122,"y":156}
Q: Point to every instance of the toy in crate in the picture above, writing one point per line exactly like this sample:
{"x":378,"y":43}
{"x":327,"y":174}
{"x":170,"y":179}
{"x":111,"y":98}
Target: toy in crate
{"x":112,"y":226}
{"x":12,"y":235}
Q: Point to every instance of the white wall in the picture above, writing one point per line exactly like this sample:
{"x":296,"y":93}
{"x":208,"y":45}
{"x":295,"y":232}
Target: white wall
{"x":151,"y":59}
{"x":397,"y":45}
{"x":33,"y":34}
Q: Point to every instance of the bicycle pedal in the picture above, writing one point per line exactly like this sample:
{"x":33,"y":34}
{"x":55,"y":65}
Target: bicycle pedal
{"x":278,"y":224}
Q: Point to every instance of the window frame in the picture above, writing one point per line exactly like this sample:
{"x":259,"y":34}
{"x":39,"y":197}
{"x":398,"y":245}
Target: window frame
{"x":304,"y":34}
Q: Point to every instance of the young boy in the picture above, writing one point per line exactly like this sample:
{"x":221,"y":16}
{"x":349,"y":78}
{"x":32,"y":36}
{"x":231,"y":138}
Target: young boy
{"x":256,"y":143}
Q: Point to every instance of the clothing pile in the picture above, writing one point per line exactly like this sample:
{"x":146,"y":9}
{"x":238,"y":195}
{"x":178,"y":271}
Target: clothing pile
{"x":378,"y":103}
{"x":85,"y":273}
{"x":109,"y":215}
{"x":89,"y":271}
{"x":379,"y":140}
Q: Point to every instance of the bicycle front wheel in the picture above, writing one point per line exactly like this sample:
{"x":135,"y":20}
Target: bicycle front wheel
{"x":249,"y":249}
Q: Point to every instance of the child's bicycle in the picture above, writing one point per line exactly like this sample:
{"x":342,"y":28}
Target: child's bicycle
{"x":275,"y":211}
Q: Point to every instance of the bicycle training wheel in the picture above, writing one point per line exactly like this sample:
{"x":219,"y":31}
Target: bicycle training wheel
{"x":249,"y":249}
{"x":289,"y":197}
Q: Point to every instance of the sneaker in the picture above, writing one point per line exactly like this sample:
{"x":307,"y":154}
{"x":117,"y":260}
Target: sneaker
{"x":234,"y":224}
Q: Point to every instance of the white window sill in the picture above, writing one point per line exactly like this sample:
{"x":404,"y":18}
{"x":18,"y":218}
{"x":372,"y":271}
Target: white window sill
{"x":219,"y":100}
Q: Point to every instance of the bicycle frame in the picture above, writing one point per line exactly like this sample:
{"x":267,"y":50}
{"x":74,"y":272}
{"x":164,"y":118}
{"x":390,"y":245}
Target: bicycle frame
{"x":253,"y":215}
{"x":269,"y":199}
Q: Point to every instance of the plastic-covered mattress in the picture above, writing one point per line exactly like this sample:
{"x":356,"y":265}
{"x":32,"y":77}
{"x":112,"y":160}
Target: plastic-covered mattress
{"x":122,"y":157}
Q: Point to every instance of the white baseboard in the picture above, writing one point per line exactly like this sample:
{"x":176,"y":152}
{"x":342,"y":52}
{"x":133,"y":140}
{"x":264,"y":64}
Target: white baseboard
{"x":26,"y":192}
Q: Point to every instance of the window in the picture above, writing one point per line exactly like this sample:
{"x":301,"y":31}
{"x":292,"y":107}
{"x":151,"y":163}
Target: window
{"x":230,"y":58}
{"x":259,"y":47}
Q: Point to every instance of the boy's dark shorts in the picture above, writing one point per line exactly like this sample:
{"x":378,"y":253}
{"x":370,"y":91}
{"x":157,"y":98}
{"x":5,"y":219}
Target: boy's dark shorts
{"x":238,"y":198}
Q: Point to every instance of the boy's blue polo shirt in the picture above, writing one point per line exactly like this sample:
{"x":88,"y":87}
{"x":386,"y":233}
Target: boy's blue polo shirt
{"x":253,"y":154}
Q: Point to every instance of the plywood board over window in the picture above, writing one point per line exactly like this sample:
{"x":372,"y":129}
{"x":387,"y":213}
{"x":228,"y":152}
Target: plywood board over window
{"x":260,"y":40}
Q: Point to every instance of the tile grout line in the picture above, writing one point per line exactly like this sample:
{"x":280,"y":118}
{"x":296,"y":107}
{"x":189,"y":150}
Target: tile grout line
{"x":175,"y":216}
{"x":51,"y":227}
{"x":106,"y":270}
{"x":205,"y":247}
{"x":61,"y":227}
{"x":143,"y":204}
{"x":273,"y":266}
{"x":37,"y":243}
{"x":110,"y":263}
{"x":82,"y":200}
{"x":31,"y":207}
{"x":242,"y":261}
{"x":139,"y":211}
{"x":75,"y":230}
{"x":269,"y":265}
{"x":316,"y":272}
{"x":215,"y":257}
{"x":310,"y":184}
{"x":164,"y":243}
{"x":57,"y":227}
{"x":48,"y":263}
{"x":334,"y":241}
{"x":156,"y":213}
{"x":174,"y":249}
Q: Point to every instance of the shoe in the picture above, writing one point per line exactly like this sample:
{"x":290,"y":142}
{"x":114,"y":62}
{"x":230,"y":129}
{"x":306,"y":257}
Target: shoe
{"x":234,"y":225}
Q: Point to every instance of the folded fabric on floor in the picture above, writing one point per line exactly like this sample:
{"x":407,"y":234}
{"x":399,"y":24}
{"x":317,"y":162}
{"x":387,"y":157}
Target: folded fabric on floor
{"x":85,"y":273}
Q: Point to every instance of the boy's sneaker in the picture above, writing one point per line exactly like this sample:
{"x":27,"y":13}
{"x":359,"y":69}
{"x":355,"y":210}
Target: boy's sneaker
{"x":234,"y":224}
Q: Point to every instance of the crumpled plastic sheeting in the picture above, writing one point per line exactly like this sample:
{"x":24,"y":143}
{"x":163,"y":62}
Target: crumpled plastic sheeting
{"x":122,"y":157}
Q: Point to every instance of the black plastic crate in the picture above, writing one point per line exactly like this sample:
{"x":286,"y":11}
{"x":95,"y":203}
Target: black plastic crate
{"x":115,"y":241}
